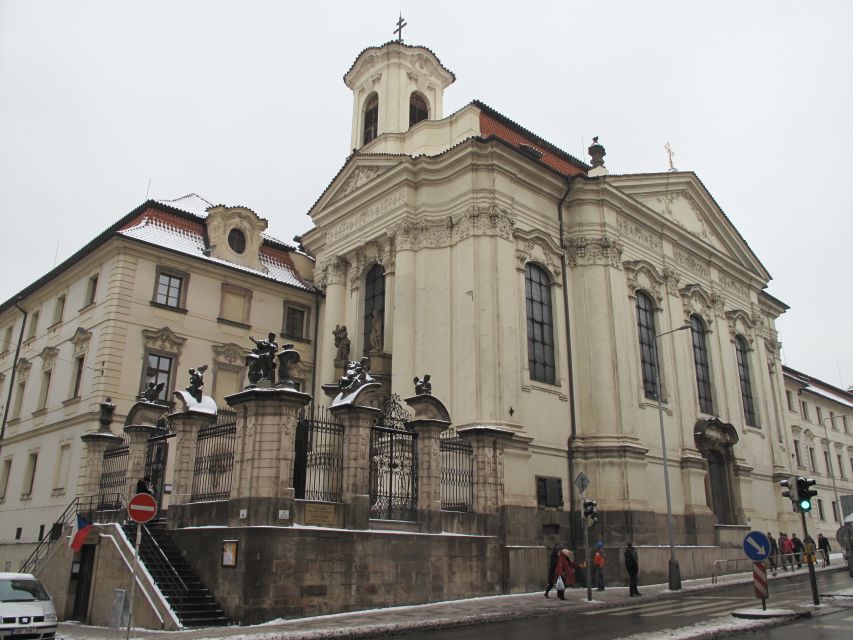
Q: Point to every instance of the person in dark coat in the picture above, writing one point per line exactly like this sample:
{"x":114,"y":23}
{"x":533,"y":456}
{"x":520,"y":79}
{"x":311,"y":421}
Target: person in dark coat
{"x":144,"y":486}
{"x":552,"y":568}
{"x":565,"y":571}
{"x":632,"y":566}
{"x":798,"y":550}
{"x":774,"y":552}
{"x":823,"y":545}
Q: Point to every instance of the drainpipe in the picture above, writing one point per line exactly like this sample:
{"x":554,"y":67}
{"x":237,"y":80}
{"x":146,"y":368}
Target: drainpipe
{"x":569,"y":442}
{"x":12,"y":376}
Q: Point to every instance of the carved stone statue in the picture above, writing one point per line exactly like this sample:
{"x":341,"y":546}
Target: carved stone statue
{"x":357,"y":374}
{"x":106,"y":418}
{"x":376,"y":331}
{"x":288,"y":358}
{"x":342,"y":343}
{"x":261,"y":361}
{"x":153,"y":391}
{"x":196,"y":383}
{"x":423,"y":387}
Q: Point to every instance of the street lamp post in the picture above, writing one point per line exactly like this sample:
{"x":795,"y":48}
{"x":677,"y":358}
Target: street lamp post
{"x":674,"y":571}
{"x":839,"y":509}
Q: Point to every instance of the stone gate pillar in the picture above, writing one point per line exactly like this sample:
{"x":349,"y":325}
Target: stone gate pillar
{"x":352,"y":407}
{"x":430,"y":421}
{"x":488,"y":445}
{"x":94,"y":446}
{"x":137,"y":436}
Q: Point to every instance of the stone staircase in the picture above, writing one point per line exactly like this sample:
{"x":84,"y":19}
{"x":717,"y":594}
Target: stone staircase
{"x":190,"y":600}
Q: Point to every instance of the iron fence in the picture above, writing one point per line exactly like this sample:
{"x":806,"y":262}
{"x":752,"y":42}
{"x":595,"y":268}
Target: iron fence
{"x":113,"y":475}
{"x":319,"y":458}
{"x":393,"y":464}
{"x":457,"y":473}
{"x":156,"y":456}
{"x":214,"y":458}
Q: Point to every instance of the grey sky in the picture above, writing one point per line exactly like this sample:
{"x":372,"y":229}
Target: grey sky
{"x":244,"y":103}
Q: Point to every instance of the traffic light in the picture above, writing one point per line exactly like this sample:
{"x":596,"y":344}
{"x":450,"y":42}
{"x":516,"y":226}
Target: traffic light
{"x":589,"y":510}
{"x":805,"y":493}
{"x":789,"y":489}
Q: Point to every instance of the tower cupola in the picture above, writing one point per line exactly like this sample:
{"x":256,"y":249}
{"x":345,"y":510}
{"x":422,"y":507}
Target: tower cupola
{"x":394,"y":87}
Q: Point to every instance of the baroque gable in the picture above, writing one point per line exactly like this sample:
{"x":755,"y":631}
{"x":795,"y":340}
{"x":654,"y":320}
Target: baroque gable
{"x":162,"y":339}
{"x":80,"y":340}
{"x":696,"y":299}
{"x":642,"y":275}
{"x":534,"y":246}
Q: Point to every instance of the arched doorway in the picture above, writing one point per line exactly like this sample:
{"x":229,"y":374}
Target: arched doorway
{"x":715,"y":440}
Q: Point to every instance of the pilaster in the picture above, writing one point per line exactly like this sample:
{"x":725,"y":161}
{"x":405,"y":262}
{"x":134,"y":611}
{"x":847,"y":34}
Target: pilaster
{"x":94,"y":446}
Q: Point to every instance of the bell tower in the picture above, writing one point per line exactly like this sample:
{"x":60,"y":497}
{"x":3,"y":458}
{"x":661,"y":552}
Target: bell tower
{"x":394,"y":87}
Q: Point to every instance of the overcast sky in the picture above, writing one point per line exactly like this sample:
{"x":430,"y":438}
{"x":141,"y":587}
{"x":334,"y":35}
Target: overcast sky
{"x":244,"y":103}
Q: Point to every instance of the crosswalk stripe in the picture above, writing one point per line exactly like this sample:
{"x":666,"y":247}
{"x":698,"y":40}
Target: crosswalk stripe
{"x":670,"y":606}
{"x":686,"y":611}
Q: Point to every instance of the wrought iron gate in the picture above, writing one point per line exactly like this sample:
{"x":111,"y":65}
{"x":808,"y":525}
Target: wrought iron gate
{"x":113,"y":483}
{"x":457,"y":473}
{"x":214,"y":458}
{"x":156,"y":457}
{"x":319,"y":462}
{"x":393,"y":464}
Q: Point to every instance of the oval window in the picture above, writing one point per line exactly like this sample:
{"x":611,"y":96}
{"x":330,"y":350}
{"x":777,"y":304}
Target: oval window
{"x":237,"y":241}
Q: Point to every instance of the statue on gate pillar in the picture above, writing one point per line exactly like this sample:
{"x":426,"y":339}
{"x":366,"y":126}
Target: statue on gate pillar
{"x":261,"y":361}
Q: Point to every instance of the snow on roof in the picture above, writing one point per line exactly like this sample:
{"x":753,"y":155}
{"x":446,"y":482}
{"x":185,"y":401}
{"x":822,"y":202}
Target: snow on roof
{"x":187,"y":236}
{"x":829,"y":394}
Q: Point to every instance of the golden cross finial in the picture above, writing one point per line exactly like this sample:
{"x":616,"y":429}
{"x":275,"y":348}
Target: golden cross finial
{"x":670,"y":153}
{"x":399,"y":30}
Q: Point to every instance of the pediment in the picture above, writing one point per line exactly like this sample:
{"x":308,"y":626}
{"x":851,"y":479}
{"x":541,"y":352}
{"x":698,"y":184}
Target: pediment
{"x":682,"y":199}
{"x":355,"y":178}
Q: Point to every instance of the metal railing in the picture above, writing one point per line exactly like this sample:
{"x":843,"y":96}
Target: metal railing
{"x":114,"y":470}
{"x":457,"y":473}
{"x":319,"y":456}
{"x":214,"y":459}
{"x":795,"y":561}
{"x":47,"y":543}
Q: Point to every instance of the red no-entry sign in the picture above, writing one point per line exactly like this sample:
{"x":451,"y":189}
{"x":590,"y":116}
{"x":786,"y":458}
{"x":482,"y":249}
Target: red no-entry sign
{"x":142,"y":508}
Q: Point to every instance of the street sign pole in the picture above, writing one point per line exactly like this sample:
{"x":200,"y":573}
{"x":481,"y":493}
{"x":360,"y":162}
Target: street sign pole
{"x":759,"y":578}
{"x":588,"y":571}
{"x":812,"y":577}
{"x":133,"y":579}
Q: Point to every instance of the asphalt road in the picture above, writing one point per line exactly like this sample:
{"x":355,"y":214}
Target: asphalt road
{"x":654,"y":615}
{"x":834,"y":626}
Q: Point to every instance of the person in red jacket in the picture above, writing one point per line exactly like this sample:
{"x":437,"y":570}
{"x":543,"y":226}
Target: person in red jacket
{"x":565,"y":572}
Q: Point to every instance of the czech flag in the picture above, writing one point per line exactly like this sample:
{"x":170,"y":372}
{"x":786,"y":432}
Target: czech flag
{"x":81,"y":530}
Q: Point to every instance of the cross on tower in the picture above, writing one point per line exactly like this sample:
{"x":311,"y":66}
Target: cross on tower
{"x":399,"y":30}
{"x":670,"y":153}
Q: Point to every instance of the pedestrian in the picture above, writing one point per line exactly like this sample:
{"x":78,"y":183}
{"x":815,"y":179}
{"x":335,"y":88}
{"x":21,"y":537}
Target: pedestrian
{"x":564,"y":573}
{"x":823,"y":545}
{"x":598,"y":566}
{"x":787,"y":549}
{"x":797,"y":545}
{"x":144,"y":486}
{"x":632,"y":566}
{"x":552,"y":568}
{"x":774,"y":551}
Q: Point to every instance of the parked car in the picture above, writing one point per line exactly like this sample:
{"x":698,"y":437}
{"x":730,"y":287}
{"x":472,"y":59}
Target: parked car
{"x":26,"y":610}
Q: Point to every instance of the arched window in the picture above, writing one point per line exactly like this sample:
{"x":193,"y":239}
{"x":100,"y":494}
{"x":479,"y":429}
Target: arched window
{"x":374,"y":309}
{"x":371,"y":118}
{"x":418,"y":109}
{"x":648,"y":347}
{"x":742,"y":349}
{"x":700,"y":359}
{"x":540,"y":324}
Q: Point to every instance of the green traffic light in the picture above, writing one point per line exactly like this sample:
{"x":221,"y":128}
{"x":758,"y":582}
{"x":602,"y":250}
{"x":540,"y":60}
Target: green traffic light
{"x":806,"y":505}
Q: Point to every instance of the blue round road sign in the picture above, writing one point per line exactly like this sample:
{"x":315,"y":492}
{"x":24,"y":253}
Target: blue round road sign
{"x":756,"y":546}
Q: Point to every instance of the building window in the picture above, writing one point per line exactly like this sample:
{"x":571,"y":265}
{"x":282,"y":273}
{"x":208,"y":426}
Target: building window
{"x":30,"y":474}
{"x":374,"y":308}
{"x":844,"y":422}
{"x":745,"y":385}
{"x":418,"y":109}
{"x":841,"y":467}
{"x":549,"y":492}
{"x":60,"y":473}
{"x":832,"y":420}
{"x":790,"y":396}
{"x":797,"y":453}
{"x":34,"y":322}
{"x":371,"y":118}
{"x":58,"y":310}
{"x":158,"y":371}
{"x":820,"y":509}
{"x":648,"y":347}
{"x":819,"y":413}
{"x":235,"y":305}
{"x":237,"y":241}
{"x":295,"y":322}
{"x":7,"y":339}
{"x":804,"y":409}
{"x":79,"y":367}
{"x":91,"y":290}
{"x":5,"y":474}
{"x":18,"y":402}
{"x":45,"y":389}
{"x":812,"y":461}
{"x":18,"y":532}
{"x":834,"y":511}
{"x":540,"y":324}
{"x":826,"y":462}
{"x":700,"y":358}
{"x":171,"y":288}
{"x":227,"y":381}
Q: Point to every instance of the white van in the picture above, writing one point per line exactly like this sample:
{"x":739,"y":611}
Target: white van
{"x":26,"y":610}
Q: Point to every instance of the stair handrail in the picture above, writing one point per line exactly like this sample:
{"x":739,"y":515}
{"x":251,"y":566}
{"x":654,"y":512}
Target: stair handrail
{"x":165,"y":559}
{"x":46,"y":543}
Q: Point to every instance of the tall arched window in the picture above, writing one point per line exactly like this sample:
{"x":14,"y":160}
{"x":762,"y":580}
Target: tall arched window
{"x":540,"y":324}
{"x":742,"y":349}
{"x":648,"y":353}
{"x":700,"y":359}
{"x":371,"y":118}
{"x":374,"y":309}
{"x":418,"y":109}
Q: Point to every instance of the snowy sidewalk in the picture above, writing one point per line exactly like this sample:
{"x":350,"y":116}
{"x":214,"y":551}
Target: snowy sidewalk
{"x":365,"y":624}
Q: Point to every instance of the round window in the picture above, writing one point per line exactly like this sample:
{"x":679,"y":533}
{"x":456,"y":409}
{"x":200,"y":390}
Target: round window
{"x":237,"y":241}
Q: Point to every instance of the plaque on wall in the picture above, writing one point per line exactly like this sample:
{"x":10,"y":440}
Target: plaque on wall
{"x":322,"y":514}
